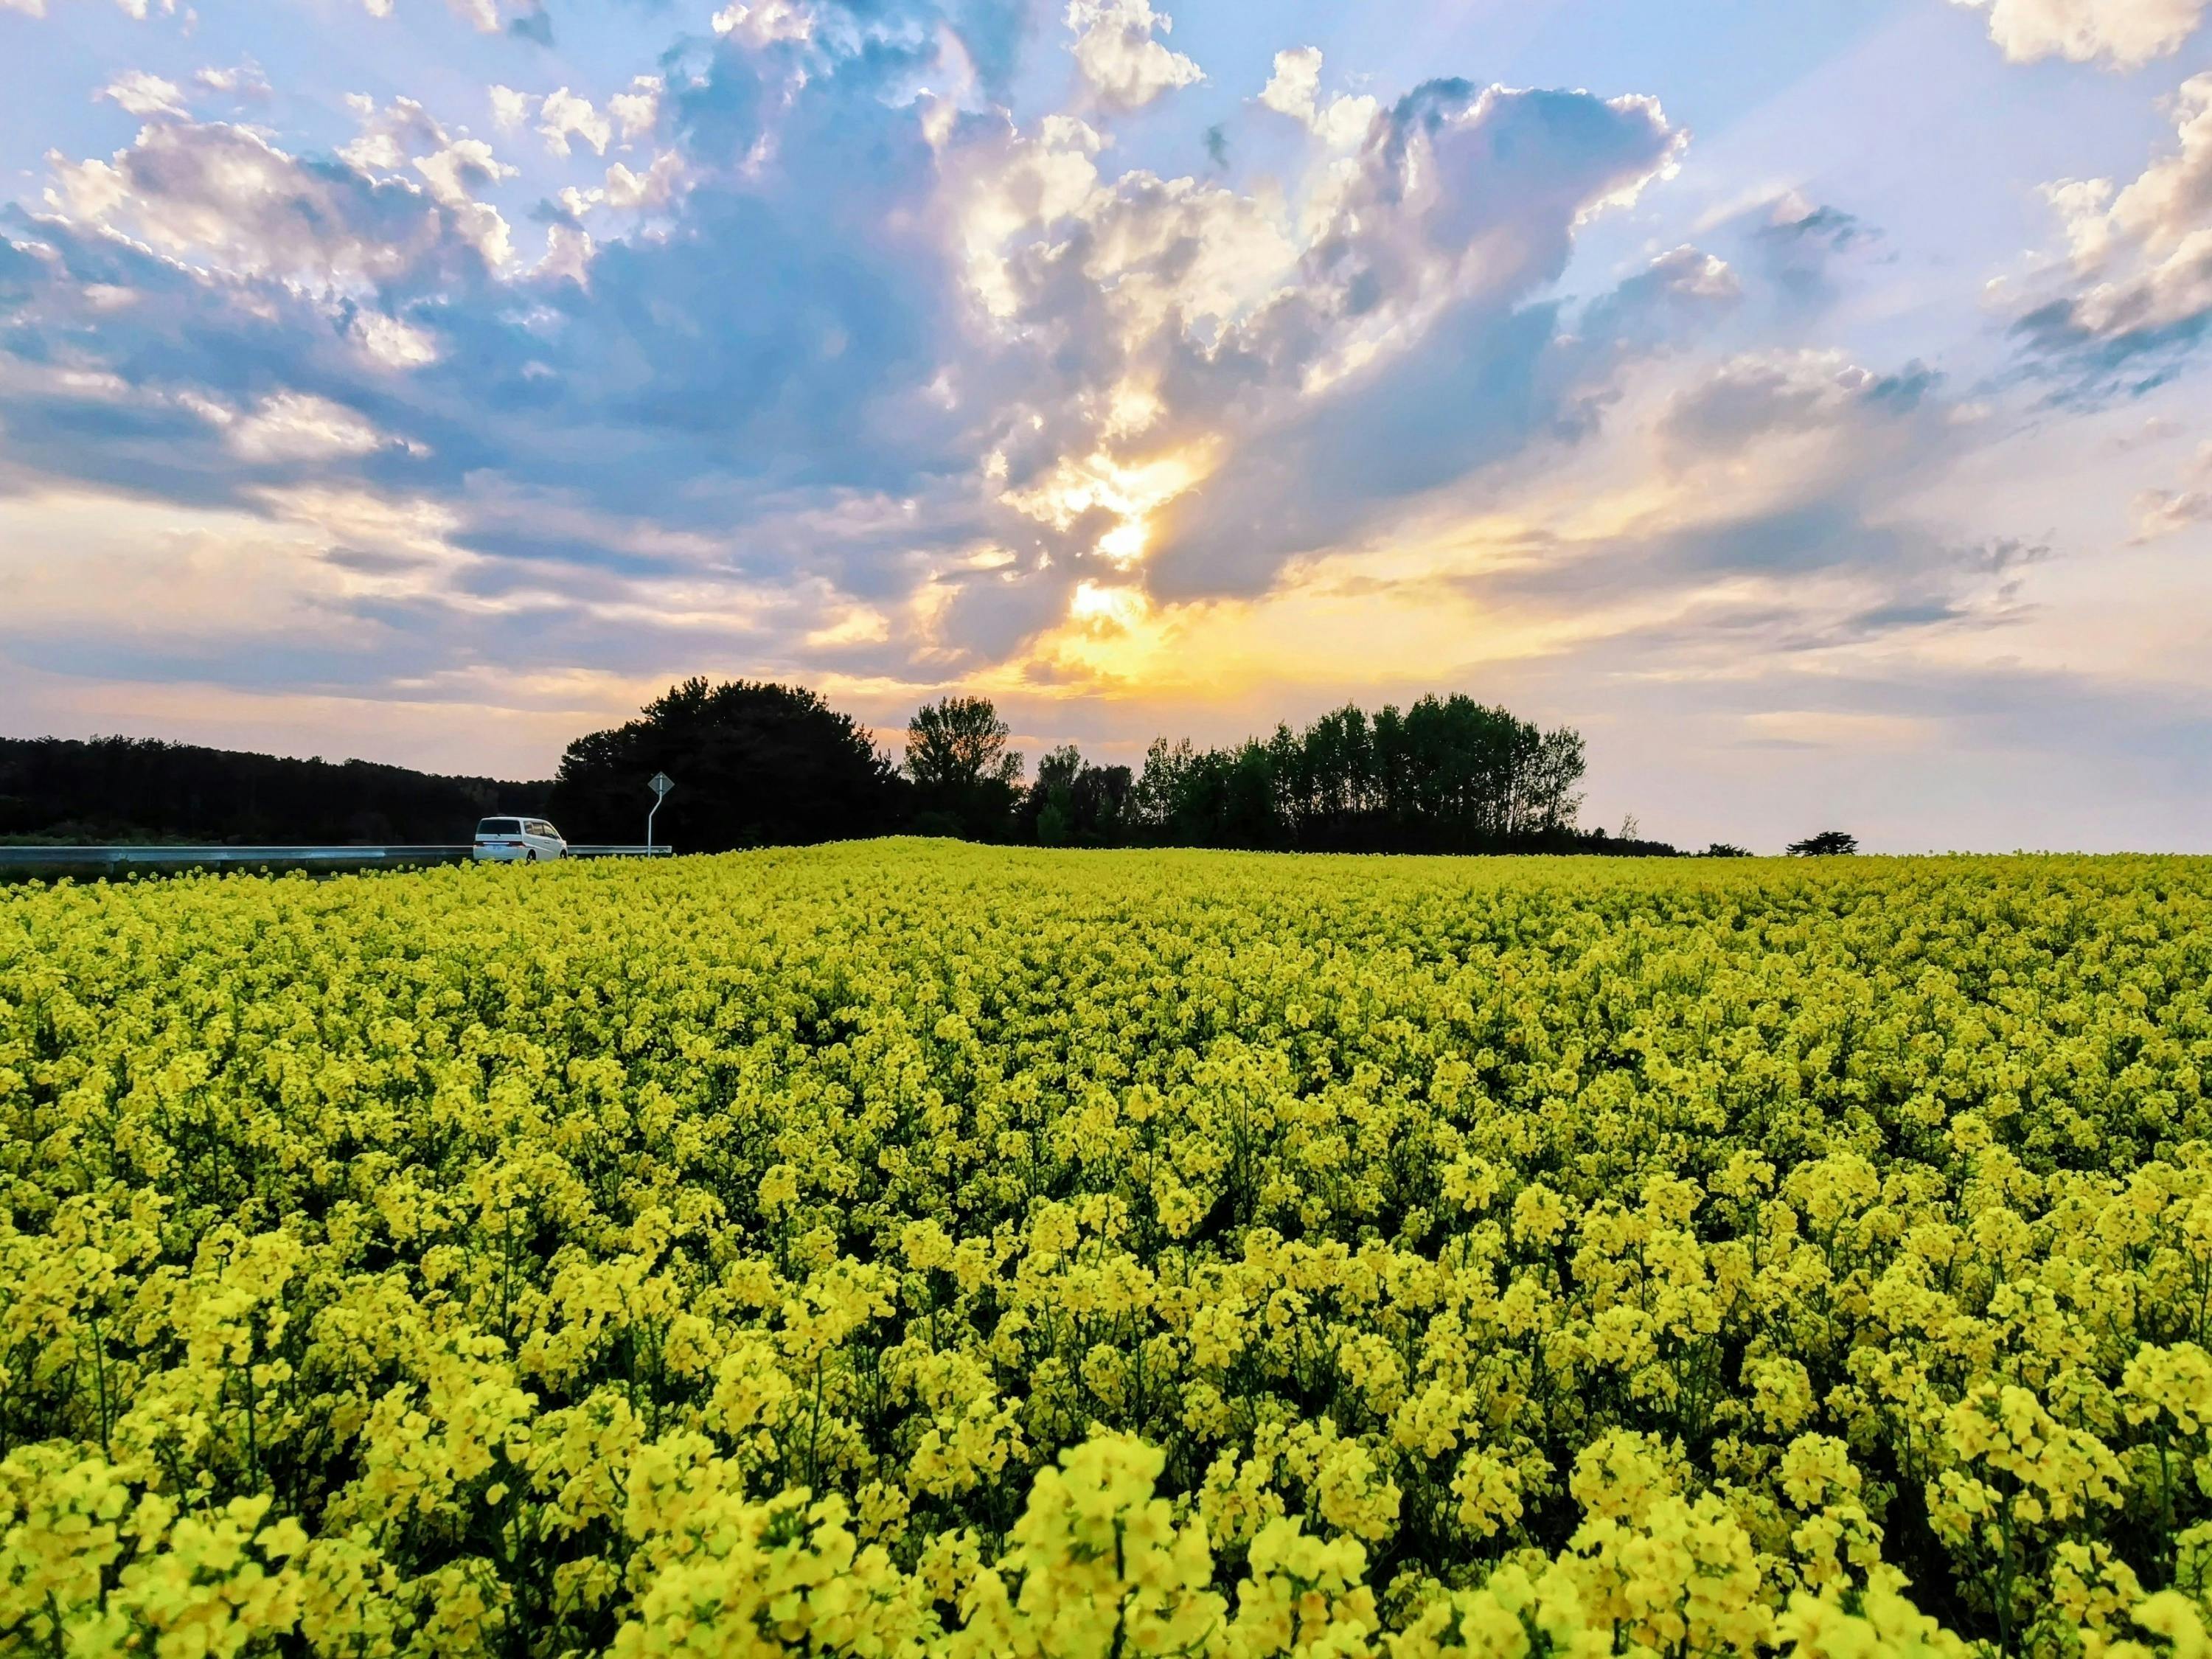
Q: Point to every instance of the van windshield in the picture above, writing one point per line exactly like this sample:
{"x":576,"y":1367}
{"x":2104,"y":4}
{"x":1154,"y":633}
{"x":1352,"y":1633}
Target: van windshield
{"x":500,"y":827}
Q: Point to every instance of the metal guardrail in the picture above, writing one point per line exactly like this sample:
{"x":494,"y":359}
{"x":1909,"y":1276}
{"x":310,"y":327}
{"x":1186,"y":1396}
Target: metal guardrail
{"x":334,"y":857}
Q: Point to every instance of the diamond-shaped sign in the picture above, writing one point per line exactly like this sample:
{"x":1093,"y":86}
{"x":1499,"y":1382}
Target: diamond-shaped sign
{"x":661,"y":784}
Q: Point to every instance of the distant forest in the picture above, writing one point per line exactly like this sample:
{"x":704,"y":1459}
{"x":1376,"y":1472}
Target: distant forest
{"x":760,"y":764}
{"x":127,"y":789}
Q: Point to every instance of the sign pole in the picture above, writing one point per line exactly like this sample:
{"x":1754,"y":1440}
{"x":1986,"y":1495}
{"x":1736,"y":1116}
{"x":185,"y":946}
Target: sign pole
{"x":660,"y":784}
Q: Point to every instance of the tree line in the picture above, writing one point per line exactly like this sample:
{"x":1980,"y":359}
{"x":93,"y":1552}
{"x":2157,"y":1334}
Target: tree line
{"x":762,"y":764}
{"x":139,"y":789}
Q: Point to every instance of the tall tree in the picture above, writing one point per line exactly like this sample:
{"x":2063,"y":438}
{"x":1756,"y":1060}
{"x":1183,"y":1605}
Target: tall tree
{"x":755,"y":765}
{"x":967,"y":779}
{"x":956,"y":743}
{"x":1046,"y":815}
{"x":1075,"y":803}
{"x":1160,"y":789}
{"x":1102,"y":804}
{"x":1551,"y":799}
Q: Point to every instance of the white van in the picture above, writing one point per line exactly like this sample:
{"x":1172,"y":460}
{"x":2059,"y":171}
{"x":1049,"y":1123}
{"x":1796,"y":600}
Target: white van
{"x":519,"y":840}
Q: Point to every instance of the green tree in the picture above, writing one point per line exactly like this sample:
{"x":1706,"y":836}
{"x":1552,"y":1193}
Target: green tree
{"x":1075,"y":803}
{"x":958,"y":743}
{"x":1052,"y":797}
{"x":1549,"y":797}
{"x":1160,"y":788}
{"x":1827,"y":843}
{"x":967,"y":780}
{"x":755,"y":765}
{"x":1446,"y":775}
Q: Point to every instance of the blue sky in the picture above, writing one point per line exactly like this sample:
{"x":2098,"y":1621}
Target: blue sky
{"x":1807,"y":401}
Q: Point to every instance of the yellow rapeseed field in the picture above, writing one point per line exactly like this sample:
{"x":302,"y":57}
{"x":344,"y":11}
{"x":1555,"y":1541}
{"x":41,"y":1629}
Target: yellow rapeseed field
{"x":912,"y":1249}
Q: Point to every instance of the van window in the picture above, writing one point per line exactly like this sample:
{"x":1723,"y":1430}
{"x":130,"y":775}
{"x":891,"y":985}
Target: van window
{"x":500,"y":827}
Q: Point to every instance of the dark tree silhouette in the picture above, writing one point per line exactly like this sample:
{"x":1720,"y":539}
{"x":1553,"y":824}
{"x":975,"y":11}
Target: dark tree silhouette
{"x":966,"y":780}
{"x":1075,"y":803}
{"x":1048,"y":813}
{"x":755,"y":765}
{"x":1725,"y":849}
{"x":1446,"y":775}
{"x":142,"y":789}
{"x":1828,"y":842}
{"x":956,"y":743}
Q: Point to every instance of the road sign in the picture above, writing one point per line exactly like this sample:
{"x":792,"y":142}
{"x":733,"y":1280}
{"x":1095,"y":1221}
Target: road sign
{"x":661,"y":784}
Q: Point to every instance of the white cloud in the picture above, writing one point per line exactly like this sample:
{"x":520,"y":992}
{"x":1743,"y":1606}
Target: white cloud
{"x":454,"y":174}
{"x":2127,"y":33}
{"x":2172,"y":201}
{"x":1693,"y":273}
{"x":569,"y":250}
{"x":510,"y":108}
{"x":1117,"y":55}
{"x":767,"y":22}
{"x":403,"y":135}
{"x":1294,"y":84}
{"x":243,"y":81}
{"x":138,"y":10}
{"x":2162,"y":511}
{"x":1002,"y":191}
{"x":388,"y":136}
{"x":227,"y":194}
{"x":144,"y":94}
{"x":564,"y":115}
{"x":297,"y":425}
{"x":859,"y":624}
{"x":2148,"y":247}
{"x":651,"y":189}
{"x":392,"y":342}
{"x":1773,"y":413}
{"x":2159,"y":512}
{"x":1294,"y":89}
{"x":638,"y":109}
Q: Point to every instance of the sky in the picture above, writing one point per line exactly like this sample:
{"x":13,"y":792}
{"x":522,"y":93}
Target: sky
{"x":1808,"y":402}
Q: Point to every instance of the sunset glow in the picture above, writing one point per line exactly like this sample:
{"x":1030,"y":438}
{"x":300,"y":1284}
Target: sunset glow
{"x":1809,"y":408}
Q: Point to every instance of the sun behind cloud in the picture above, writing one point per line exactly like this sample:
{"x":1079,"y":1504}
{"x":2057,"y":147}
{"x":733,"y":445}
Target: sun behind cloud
{"x":1073,"y":352}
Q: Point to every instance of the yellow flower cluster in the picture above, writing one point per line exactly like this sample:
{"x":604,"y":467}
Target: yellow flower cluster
{"x":924,"y":1252}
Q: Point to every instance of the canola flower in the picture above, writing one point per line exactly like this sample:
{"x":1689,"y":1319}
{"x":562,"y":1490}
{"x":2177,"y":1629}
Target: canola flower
{"x":909,"y":1250}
